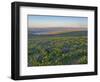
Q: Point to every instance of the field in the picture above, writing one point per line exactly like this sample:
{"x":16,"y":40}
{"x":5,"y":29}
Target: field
{"x":68,"y":48}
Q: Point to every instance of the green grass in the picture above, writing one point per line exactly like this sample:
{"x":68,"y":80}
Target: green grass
{"x":57,"y":50}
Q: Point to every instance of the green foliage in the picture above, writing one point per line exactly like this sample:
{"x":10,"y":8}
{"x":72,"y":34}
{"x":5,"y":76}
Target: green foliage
{"x":57,"y":50}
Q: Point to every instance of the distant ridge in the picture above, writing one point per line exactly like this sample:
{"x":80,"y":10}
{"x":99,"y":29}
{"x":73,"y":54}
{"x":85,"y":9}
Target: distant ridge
{"x":65,"y":34}
{"x":57,"y":28}
{"x":52,"y":31}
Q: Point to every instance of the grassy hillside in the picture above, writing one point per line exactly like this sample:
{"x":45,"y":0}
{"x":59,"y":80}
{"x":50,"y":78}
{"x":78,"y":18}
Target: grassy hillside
{"x":68,"y":48}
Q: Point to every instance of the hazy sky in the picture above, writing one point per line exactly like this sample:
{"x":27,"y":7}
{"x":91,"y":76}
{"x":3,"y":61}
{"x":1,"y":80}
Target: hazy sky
{"x":40,"y":21}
